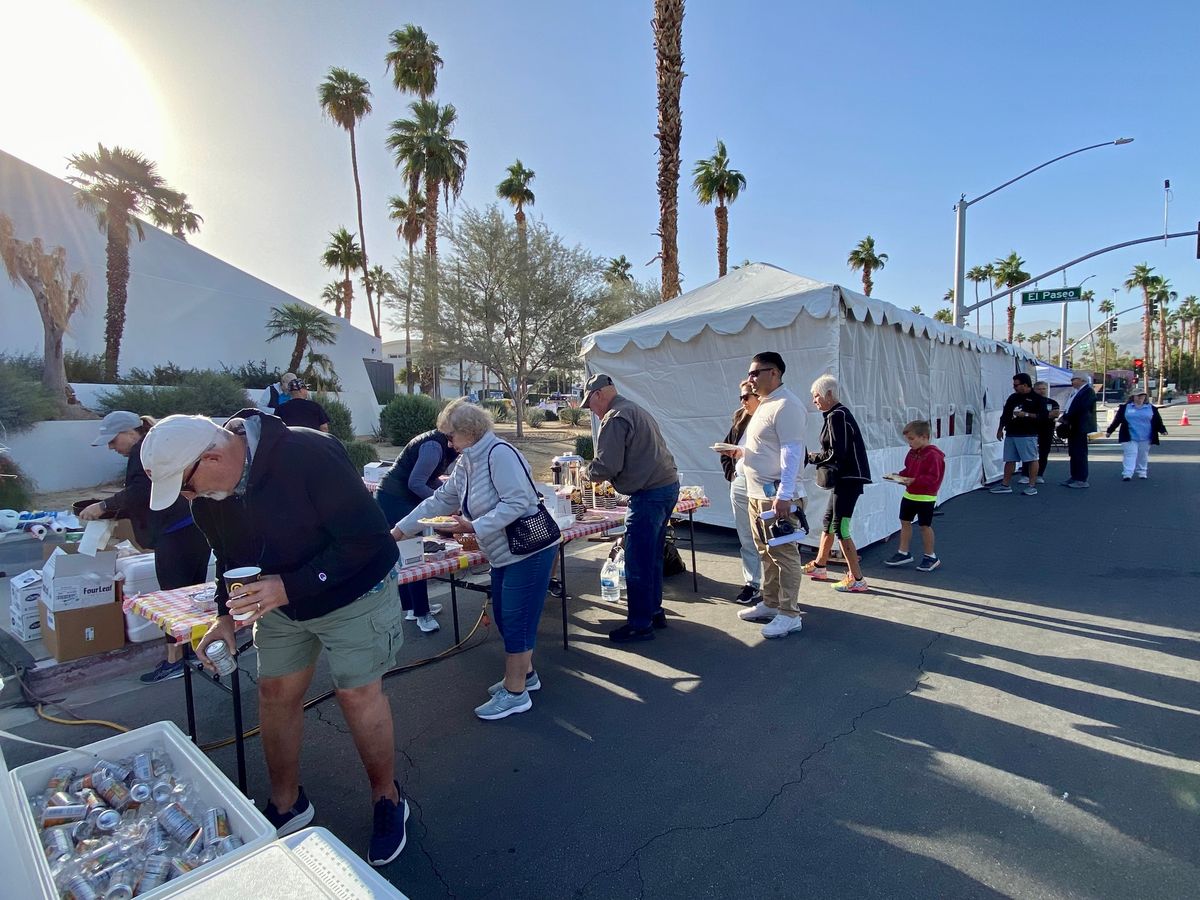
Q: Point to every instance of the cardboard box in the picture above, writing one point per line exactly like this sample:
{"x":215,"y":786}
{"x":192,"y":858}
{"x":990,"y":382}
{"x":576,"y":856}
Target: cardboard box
{"x":76,"y":633}
{"x":26,"y":590}
{"x":74,"y":581}
{"x":25,"y":625}
{"x":412,"y":551}
{"x":374,"y":472}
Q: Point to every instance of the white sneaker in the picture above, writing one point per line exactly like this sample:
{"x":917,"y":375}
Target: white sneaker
{"x":428,"y":624}
{"x":1024,"y":479}
{"x":782,"y":625}
{"x":434,"y":609}
{"x":759,"y":612}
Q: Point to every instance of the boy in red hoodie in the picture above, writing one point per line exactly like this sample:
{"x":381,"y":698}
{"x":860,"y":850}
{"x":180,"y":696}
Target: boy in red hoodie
{"x":924,"y":467}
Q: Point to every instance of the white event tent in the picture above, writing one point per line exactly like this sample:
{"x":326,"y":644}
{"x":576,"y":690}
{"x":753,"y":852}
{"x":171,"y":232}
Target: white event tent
{"x":683,"y":361}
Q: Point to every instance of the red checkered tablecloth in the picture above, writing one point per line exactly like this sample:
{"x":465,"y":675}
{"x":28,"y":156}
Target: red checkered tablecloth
{"x":174,"y":612}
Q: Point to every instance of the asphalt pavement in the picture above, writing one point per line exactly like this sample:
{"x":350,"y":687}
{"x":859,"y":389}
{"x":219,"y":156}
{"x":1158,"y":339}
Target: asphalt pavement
{"x":1024,"y":721}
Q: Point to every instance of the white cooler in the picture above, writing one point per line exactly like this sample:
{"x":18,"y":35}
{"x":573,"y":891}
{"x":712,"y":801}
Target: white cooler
{"x":23,"y":863}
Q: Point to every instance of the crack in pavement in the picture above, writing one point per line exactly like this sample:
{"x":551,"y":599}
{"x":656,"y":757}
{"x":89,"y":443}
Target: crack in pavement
{"x":635,"y":856}
{"x":420,"y":818}
{"x":332,"y":724}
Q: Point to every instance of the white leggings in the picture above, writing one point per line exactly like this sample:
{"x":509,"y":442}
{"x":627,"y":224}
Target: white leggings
{"x":1135,"y":458}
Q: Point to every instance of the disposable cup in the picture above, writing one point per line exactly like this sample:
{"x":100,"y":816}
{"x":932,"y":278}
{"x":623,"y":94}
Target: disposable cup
{"x":235,"y":580}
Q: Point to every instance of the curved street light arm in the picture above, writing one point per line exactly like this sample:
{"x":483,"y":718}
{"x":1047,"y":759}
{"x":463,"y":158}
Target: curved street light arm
{"x":1043,"y":165}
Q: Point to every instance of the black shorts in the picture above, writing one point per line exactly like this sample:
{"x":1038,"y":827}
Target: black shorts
{"x":921,"y":510}
{"x":841,"y":507}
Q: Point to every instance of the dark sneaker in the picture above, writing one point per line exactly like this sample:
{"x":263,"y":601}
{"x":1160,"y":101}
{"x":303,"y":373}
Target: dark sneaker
{"x":749,"y":594}
{"x":1079,"y":485}
{"x":928,"y":563}
{"x":1028,"y":492}
{"x":555,"y":588}
{"x":294,"y":819}
{"x":659,"y":619}
{"x":164,"y":671}
{"x":627,"y":633}
{"x":387,"y":836}
{"x":1127,"y":478}
{"x":899,"y":559}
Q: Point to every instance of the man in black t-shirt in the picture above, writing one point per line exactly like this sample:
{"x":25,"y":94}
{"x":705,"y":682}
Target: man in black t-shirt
{"x":1020,"y":424}
{"x":301,"y":412}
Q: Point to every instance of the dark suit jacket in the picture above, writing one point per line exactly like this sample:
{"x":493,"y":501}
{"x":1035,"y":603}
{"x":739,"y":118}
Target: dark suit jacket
{"x":1081,"y":413}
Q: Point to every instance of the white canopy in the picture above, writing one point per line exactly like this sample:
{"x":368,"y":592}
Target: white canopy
{"x":683,"y":361}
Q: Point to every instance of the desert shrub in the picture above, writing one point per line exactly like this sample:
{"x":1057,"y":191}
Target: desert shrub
{"x":573,"y":415}
{"x":200,"y":393}
{"x":85,"y":368}
{"x":23,"y":400}
{"x":16,"y":490}
{"x":27,"y":366}
{"x":253,"y":374}
{"x":406,"y":416}
{"x":534,"y":417}
{"x":361,"y":453}
{"x":583,"y":446}
{"x":162,"y":375}
{"x":341,"y":422}
{"x":498,"y":409}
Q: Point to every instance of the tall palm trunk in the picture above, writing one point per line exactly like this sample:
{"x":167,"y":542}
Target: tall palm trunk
{"x":117,"y":273}
{"x":408,"y":361}
{"x":298,"y":352}
{"x":347,"y":294}
{"x":868,"y":284}
{"x":1012,"y":317}
{"x":362,"y":239}
{"x":1163,"y":355}
{"x":1146,"y":326}
{"x":667,"y":26}
{"x":722,"y":214}
{"x":430,"y":305}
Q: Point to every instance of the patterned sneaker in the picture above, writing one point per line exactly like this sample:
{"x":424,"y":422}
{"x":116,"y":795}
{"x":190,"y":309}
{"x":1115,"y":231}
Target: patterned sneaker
{"x":899,"y":559}
{"x":849,"y":586}
{"x":928,"y":563}
{"x":815,"y":572}
{"x":749,"y":594}
{"x":504,"y":703}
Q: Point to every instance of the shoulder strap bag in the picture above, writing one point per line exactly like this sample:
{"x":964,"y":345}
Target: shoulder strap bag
{"x":534,"y":532}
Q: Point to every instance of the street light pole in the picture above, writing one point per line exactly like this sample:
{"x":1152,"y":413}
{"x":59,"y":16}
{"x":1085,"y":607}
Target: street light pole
{"x":1062,"y":327}
{"x":960,"y":231}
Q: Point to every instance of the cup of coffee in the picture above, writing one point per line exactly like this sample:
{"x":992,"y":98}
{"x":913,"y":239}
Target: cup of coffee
{"x":235,"y":580}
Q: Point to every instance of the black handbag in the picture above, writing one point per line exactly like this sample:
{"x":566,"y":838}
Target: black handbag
{"x":827,"y":476}
{"x":533,"y":532}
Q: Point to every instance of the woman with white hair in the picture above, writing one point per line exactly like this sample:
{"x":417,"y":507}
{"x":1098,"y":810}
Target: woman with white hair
{"x":492,"y":486}
{"x":842,"y":468}
{"x":1138,"y":425}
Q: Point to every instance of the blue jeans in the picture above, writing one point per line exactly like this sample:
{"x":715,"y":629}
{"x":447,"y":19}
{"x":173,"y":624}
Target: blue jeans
{"x":645,"y":531}
{"x":518,"y":595}
{"x":413,"y":596}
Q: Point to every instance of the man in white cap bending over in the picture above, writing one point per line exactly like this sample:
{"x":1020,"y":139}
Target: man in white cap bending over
{"x":290,"y":502}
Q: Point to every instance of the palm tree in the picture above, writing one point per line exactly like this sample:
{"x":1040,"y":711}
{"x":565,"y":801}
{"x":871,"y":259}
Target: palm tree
{"x":1143,"y":277}
{"x":344,"y":254}
{"x":413,"y":61}
{"x":916,"y":309}
{"x":1036,"y":340}
{"x":515,"y":189}
{"x":667,"y":26}
{"x":1189,"y":312}
{"x":346,"y":99}
{"x":712,"y":179}
{"x":944,"y":315}
{"x":117,"y":185}
{"x":333,"y":294}
{"x":863,"y":257}
{"x":307,"y":324}
{"x":1107,"y":308}
{"x":410,"y":218}
{"x":977,"y":275}
{"x":177,"y":217}
{"x":1161,"y":296}
{"x":1021,"y":339}
{"x":382,"y":282}
{"x":618,"y":271}
{"x":989,"y":272}
{"x":57,"y":293}
{"x":1007,"y":272}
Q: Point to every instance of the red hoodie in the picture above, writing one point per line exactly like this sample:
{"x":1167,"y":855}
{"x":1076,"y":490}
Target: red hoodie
{"x":926,"y":467}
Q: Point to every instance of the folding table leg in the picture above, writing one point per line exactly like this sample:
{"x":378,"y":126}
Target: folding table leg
{"x":235,"y":684}
{"x":187,"y":694}
{"x":562,"y":580}
{"x":692,"y":535}
{"x":454,"y":606}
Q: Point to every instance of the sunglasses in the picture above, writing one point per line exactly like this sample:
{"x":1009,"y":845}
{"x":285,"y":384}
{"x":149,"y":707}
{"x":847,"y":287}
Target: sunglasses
{"x":186,"y":486}
{"x":754,"y":373}
{"x":746,"y":397}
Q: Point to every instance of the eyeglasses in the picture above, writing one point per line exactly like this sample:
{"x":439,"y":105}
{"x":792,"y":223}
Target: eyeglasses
{"x":754,"y":373}
{"x":746,"y":397}
{"x":186,"y":486}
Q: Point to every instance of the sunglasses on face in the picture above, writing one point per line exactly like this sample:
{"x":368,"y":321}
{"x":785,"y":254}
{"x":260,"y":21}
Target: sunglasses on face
{"x":754,"y":373}
{"x":187,"y":479}
{"x":746,"y":397}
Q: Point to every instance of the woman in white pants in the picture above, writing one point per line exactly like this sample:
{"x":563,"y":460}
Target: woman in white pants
{"x":736,"y":476}
{"x":1140,"y":425}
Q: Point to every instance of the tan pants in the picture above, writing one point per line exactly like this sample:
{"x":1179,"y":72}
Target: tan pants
{"x":781,"y":565}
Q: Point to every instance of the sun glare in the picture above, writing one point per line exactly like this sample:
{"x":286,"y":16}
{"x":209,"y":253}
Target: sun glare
{"x":72,"y":83}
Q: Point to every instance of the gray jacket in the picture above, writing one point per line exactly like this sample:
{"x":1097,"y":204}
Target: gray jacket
{"x":630,"y":450}
{"x":495,"y":495}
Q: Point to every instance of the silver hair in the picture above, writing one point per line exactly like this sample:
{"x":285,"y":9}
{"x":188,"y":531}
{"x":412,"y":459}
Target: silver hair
{"x":464,"y":416}
{"x":826,"y":384}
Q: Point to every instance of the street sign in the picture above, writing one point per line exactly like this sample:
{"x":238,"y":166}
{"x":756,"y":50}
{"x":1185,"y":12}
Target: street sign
{"x":1061,"y":295}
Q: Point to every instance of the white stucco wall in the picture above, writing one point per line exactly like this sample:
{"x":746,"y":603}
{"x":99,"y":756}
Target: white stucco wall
{"x":58,"y":456}
{"x":184,"y":306}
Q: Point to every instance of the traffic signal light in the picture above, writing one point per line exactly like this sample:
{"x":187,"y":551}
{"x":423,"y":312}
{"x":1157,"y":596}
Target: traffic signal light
{"x":1112,"y":324}
{"x":1139,"y":365}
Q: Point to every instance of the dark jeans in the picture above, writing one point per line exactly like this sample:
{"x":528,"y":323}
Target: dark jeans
{"x":181,"y":558}
{"x":413,"y":596}
{"x":645,"y":532}
{"x":1077,"y":449}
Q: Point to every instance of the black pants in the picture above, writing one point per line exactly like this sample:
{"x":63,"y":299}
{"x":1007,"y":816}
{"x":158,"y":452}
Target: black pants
{"x":1045,"y":441}
{"x":1077,"y":449}
{"x":181,"y":558}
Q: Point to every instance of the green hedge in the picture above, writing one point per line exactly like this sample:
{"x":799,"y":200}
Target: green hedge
{"x":16,"y":490}
{"x":406,"y":416}
{"x":535,"y":417}
{"x":200,"y":393}
{"x":583,"y":447}
{"x":573,"y":415}
{"x":498,"y":409}
{"x":341,"y":422}
{"x":23,"y":400}
{"x":361,"y":453}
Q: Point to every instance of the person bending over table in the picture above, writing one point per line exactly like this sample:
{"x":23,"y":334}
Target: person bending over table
{"x":289,"y":501}
{"x":492,"y":485}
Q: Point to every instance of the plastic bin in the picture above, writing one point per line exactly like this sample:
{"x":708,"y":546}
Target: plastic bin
{"x":22,"y":857}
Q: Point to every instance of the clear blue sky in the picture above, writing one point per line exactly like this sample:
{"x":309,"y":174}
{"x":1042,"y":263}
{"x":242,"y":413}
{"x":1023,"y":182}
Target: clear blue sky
{"x":847,"y":119}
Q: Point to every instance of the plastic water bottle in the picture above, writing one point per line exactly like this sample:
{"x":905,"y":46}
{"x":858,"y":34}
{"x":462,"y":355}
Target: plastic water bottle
{"x":769,"y":490}
{"x":610,"y":576}
{"x":621,"y":567}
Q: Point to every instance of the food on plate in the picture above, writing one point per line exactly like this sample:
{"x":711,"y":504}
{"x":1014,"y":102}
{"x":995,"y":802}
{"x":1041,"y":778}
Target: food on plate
{"x":722,"y":446}
{"x":439,"y":520}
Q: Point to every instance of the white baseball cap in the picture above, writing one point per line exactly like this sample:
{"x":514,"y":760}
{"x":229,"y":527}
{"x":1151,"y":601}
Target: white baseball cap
{"x":169,"y":450}
{"x":114,"y":423}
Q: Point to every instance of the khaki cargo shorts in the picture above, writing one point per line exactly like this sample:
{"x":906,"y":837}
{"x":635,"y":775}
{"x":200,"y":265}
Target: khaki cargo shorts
{"x":362,"y":639}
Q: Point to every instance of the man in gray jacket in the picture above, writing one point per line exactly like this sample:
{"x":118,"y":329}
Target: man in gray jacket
{"x":631,"y":454}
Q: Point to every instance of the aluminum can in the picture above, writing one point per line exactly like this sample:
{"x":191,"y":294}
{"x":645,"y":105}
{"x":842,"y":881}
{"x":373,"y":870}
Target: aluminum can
{"x":63,"y":815}
{"x":61,"y":798}
{"x":216,"y":826}
{"x":108,"y":821}
{"x":177,"y":823}
{"x":61,"y":779}
{"x":228,"y":845}
{"x":93,"y":801}
{"x":118,"y":771}
{"x":161,"y":791}
{"x":155,"y":872}
{"x":143,"y":768}
{"x":114,"y":792}
{"x":58,"y":841}
{"x":120,"y":883}
{"x":81,"y":784}
{"x":180,"y":866}
{"x":140,"y":793}
{"x":219,"y":655}
{"x":81,"y":887}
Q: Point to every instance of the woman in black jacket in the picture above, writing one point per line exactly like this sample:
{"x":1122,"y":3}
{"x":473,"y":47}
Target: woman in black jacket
{"x":180,"y":549}
{"x":1138,"y":425}
{"x":738,"y":498}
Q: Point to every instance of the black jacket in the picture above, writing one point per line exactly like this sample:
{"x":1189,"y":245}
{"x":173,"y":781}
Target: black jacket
{"x":1080,"y":413}
{"x":133,"y":503}
{"x":1036,"y":409}
{"x":306,"y":516}
{"x":1156,"y":425}
{"x":842,"y":445}
{"x":740,"y":420}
